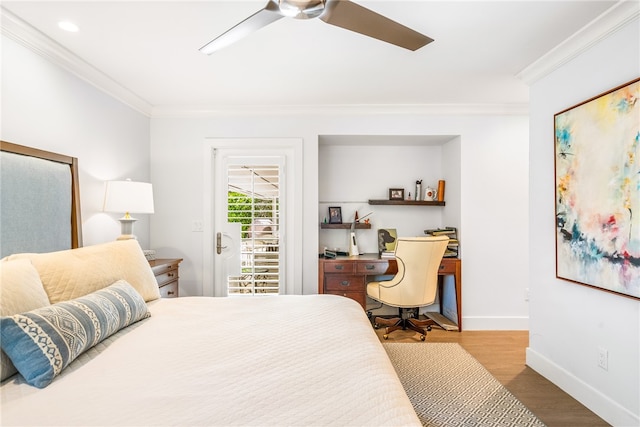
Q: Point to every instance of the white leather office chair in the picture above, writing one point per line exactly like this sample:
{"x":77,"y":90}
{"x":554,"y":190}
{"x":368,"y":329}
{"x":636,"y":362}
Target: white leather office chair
{"x":414,"y":285}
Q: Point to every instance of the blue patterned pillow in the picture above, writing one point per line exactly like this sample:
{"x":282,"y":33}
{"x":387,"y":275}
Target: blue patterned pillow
{"x":42,"y":342}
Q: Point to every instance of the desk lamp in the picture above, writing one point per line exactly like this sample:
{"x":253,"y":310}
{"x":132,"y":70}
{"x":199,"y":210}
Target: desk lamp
{"x":353,"y":244}
{"x":128,"y":197}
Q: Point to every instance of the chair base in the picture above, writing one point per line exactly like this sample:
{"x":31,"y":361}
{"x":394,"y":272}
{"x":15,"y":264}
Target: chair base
{"x":396,"y":323}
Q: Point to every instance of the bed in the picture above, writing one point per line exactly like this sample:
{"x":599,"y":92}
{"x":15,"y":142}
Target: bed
{"x":264,"y":360}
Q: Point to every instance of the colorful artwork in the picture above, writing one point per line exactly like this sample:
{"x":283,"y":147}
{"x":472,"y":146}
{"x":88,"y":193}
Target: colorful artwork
{"x":597,"y":166}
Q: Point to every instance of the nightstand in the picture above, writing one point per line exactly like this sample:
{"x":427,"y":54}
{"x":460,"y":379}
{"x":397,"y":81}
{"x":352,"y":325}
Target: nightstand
{"x":166,"y":272}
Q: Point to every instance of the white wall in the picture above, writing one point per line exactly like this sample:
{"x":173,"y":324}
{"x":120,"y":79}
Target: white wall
{"x":569,"y":321}
{"x":350,"y":175}
{"x":493,"y":179}
{"x":46,"y":107}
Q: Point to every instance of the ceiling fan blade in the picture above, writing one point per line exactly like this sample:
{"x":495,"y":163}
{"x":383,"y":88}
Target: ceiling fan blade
{"x":351,"y":16}
{"x":270,"y":13}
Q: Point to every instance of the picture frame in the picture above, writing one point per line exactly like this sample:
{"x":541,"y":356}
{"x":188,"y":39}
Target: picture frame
{"x":597,"y":202}
{"x":396,"y":194}
{"x":335,"y":215}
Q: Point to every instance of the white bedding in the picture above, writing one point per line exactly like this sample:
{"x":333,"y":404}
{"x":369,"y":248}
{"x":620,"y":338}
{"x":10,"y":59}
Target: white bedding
{"x":275,"y":360}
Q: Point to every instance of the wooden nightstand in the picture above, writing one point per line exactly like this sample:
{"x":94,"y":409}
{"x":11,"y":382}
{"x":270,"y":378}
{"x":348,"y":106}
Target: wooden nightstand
{"x":166,"y":272}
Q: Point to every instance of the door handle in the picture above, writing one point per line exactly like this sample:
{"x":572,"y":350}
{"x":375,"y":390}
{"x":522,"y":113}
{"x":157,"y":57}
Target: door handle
{"x":219,"y":246}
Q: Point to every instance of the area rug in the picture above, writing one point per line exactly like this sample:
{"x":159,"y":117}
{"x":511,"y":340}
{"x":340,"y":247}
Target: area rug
{"x":449,"y":387}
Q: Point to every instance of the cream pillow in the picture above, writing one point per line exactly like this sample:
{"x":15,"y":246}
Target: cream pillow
{"x":74,"y":273}
{"x":20,"y":290}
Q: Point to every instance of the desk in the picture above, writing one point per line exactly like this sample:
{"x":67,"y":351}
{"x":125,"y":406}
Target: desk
{"x":348,"y":276}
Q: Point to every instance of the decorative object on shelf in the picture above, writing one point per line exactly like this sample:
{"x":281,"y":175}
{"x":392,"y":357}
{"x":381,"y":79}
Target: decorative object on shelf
{"x":387,"y":238}
{"x":418,"y":189}
{"x":335,"y":215}
{"x":128,"y":197}
{"x":396,"y":194}
{"x":453,"y":245}
{"x":440,"y":196}
{"x":597,"y":176}
{"x":429,"y":193}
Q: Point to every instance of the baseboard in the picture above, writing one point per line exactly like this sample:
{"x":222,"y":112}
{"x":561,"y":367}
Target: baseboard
{"x":595,"y":401}
{"x":495,"y":323}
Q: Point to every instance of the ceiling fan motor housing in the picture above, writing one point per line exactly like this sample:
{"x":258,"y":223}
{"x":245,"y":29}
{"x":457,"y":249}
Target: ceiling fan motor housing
{"x":301,"y":9}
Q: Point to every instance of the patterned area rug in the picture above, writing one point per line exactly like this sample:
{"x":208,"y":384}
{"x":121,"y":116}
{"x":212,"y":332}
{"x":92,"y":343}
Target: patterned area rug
{"x":449,"y":387}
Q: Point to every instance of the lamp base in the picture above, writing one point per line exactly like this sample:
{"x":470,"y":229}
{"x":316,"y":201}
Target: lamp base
{"x":353,"y":246}
{"x":126,"y":229}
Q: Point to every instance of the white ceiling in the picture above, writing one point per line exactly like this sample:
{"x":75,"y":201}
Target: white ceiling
{"x":150,"y":48}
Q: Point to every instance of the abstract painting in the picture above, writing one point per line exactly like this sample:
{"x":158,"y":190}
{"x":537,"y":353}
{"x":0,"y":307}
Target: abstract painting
{"x":597,"y":190}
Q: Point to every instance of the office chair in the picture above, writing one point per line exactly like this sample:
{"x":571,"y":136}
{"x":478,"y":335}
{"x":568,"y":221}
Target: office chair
{"x":414,"y":285}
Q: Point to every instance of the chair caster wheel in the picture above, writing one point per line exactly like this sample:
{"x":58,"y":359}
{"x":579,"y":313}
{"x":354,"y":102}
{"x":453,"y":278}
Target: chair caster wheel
{"x":385,"y":336}
{"x":376,"y":326}
{"x":422,"y":337}
{"x":428,"y":329}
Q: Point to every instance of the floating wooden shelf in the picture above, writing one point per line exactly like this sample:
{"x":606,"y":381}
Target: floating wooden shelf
{"x":345,"y":226}
{"x":407,"y":202}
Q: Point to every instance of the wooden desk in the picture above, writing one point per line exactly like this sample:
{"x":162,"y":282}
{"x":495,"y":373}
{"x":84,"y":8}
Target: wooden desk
{"x":348,"y":276}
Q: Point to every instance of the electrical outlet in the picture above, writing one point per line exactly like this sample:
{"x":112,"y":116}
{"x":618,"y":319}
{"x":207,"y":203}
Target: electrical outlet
{"x":196,"y":226}
{"x":526,"y":294}
{"x":603,"y":358}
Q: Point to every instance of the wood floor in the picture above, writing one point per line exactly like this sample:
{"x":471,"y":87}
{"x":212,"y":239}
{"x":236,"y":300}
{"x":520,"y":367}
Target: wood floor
{"x":503,"y":354}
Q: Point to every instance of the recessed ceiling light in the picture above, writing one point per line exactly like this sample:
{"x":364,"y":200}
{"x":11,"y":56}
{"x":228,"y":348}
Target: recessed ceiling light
{"x":68,"y":26}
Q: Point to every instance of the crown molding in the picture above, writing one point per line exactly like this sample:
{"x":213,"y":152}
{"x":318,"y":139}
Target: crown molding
{"x":600,"y":28}
{"x":24,"y":34}
{"x":341,"y":109}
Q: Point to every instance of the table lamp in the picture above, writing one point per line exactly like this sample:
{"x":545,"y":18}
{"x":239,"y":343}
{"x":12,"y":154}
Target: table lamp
{"x":128,"y":197}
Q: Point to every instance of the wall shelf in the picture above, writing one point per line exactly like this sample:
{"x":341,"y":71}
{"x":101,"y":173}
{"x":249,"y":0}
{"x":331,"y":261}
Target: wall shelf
{"x":344,"y":226}
{"x":407,"y":202}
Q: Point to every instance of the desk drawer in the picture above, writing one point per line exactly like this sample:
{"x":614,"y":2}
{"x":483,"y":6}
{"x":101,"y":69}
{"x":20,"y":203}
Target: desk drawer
{"x":447,"y":267}
{"x":373,"y":268}
{"x":335,"y":283}
{"x":344,"y":267}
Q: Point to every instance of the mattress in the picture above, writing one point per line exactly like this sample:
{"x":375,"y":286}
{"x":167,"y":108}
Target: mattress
{"x":199,"y":361}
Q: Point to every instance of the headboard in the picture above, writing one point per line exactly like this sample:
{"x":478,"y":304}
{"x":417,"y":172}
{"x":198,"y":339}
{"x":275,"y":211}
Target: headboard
{"x":39,"y":200}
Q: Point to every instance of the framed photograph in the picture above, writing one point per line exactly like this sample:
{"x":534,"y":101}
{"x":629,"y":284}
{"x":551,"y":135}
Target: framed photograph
{"x":396,"y":194}
{"x":335,"y":215}
{"x":597,"y":202}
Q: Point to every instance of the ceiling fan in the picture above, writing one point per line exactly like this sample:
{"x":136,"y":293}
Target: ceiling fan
{"x":341,"y":13}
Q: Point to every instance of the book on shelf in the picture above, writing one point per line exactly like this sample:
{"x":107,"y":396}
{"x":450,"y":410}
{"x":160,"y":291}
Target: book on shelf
{"x":387,"y":254}
{"x":448,"y":253}
{"x":453,"y":245}
{"x":449,"y":231}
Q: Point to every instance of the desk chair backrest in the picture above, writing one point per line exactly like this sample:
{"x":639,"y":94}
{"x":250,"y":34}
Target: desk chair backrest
{"x":416,"y":282}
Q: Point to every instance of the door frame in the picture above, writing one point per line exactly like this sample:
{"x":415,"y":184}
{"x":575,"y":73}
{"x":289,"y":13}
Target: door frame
{"x":291,"y":149}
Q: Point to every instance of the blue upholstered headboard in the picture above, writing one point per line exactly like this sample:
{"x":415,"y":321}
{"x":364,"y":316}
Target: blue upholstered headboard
{"x":39,"y":201}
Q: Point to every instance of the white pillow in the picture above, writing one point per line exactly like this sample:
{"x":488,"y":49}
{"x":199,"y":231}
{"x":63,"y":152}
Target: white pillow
{"x":20,"y":290}
{"x":74,"y":273}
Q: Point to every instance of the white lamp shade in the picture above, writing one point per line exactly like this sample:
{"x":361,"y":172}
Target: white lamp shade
{"x":128,"y":197}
